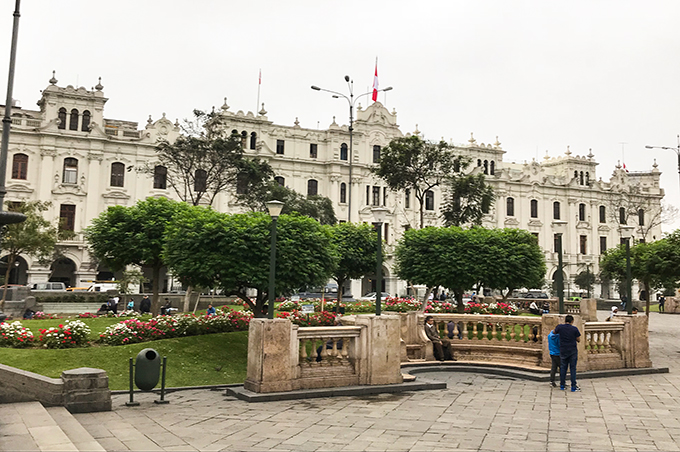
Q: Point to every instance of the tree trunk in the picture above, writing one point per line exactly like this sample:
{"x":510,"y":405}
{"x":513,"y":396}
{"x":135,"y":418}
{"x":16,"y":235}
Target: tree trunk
{"x":459,"y":302}
{"x":341,"y":283}
{"x":187,"y":299}
{"x":155,"y":284}
{"x":198,"y":298}
{"x":422,"y":215}
{"x":10,"y":262}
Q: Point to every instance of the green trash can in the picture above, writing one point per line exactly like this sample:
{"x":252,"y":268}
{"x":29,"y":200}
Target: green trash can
{"x":147,"y":369}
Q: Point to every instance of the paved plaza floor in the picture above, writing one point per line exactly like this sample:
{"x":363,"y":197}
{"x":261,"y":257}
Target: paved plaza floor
{"x":476,"y":412}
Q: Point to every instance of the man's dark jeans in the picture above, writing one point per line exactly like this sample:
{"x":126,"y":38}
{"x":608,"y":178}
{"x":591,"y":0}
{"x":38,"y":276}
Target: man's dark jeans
{"x":555,"y":366}
{"x":568,"y":361}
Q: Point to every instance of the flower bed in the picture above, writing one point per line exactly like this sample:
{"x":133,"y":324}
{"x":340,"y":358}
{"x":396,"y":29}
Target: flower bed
{"x":43,"y":316}
{"x":323,"y":318}
{"x":290,"y":305}
{"x":15,"y":335}
{"x":73,"y":333}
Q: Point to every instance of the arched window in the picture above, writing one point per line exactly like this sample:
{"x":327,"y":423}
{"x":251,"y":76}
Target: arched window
{"x":486,"y":167}
{"x":244,"y":139}
{"x":581,"y":212}
{"x":641,"y":217}
{"x":581,"y":177}
{"x":73,"y":122}
{"x":85,"y":127}
{"x":234,"y":132}
{"x":603,"y":214}
{"x":160,"y":174}
{"x":492,"y":168}
{"x":479,"y":162}
{"x":19,"y":166}
{"x":280,"y":180}
{"x":343,"y":151}
{"x":576,"y":175}
{"x":253,"y":140}
{"x":556,"y":210}
{"x":534,"y":208}
{"x":622,"y":216}
{"x":510,"y":209}
{"x":429,"y":200}
{"x":70,"y":175}
{"x":200,"y":181}
{"x":62,"y":118}
{"x":312,"y":187}
{"x":343,"y":192}
{"x":376,"y":154}
{"x":587,"y":179}
{"x":117,"y":174}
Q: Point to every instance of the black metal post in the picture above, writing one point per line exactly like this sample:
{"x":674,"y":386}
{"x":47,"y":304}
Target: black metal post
{"x":560,"y":276}
{"x":132,"y":388}
{"x":272,"y":269}
{"x":629,"y":280}
{"x":378,"y":273}
{"x":351,"y":130}
{"x":162,"y":400}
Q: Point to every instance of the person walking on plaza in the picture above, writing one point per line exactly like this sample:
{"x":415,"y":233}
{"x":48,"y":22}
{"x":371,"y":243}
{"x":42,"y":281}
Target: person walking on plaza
{"x":662,"y":303}
{"x":554,"y":347}
{"x":441,"y":347}
{"x":569,"y":337}
{"x":145,"y":305}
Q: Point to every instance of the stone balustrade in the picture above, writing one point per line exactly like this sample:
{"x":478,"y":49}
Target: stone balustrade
{"x":603,"y":337}
{"x":329,"y":352}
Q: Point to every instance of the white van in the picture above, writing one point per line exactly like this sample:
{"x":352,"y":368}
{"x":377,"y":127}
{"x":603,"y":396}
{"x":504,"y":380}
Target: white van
{"x":54,"y":286}
{"x":103,"y":287}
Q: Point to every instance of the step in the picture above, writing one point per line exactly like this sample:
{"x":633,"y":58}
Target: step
{"x":80,"y":437}
{"x":28,"y":426}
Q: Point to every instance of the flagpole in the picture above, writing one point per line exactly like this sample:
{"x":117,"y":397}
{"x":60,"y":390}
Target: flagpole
{"x":259,"y":83}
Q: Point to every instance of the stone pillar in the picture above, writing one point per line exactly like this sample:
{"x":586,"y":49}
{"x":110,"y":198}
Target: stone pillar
{"x":672,"y":305}
{"x":383,"y":349}
{"x":635,"y":340}
{"x":270,"y":349}
{"x":86,"y":390}
{"x":550,"y":321}
{"x":589,"y":309}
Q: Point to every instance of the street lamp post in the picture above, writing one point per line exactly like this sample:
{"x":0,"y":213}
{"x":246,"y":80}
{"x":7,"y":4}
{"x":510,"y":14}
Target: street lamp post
{"x":676,"y":149}
{"x":351,"y":100}
{"x":626,"y":234}
{"x":559,"y":226}
{"x":274,"y":208}
{"x":380,"y":214}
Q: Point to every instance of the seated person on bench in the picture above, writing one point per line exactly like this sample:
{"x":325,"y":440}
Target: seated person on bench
{"x":441,"y":348}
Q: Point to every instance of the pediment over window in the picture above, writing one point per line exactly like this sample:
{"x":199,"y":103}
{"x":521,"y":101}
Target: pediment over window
{"x":68,"y":189}
{"x":19,"y":188}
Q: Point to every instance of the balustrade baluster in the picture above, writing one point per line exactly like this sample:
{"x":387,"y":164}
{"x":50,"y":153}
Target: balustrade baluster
{"x":324,"y":352}
{"x":600,"y":342}
{"x":344,"y":353}
{"x":303,"y":349}
{"x":494,"y":336}
{"x":465,"y":330}
{"x":474,"y":331}
{"x":512,"y":331}
{"x":522,"y":327}
{"x":456,"y":331}
{"x":334,"y":350}
{"x":607,"y":342}
{"x":485,"y":331}
{"x":592,"y":341}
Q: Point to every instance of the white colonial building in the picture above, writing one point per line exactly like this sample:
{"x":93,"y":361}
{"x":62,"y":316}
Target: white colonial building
{"x":67,"y":152}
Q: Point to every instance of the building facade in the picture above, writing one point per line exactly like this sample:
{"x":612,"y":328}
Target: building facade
{"x":68,"y":153}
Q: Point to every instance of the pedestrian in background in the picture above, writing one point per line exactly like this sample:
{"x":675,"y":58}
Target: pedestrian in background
{"x":569,"y":337}
{"x":554,"y":347}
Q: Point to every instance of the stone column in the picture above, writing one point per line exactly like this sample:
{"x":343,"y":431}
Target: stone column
{"x":383,"y":349}
{"x":635,"y":340}
{"x":550,"y":321}
{"x":86,"y":390}
{"x":270,"y":349}
{"x":589,"y":309}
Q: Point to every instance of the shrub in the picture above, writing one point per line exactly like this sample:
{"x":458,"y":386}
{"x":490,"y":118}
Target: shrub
{"x":42,"y":316}
{"x":87,"y":315}
{"x":402,"y":304}
{"x":323,"y":318}
{"x":440,"y":307}
{"x":72,"y":334}
{"x":15,"y":335}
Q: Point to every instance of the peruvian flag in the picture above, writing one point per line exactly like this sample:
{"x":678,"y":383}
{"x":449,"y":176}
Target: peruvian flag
{"x":375,"y":82}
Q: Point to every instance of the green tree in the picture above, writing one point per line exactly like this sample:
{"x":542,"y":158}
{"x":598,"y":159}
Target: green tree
{"x":212,"y":249}
{"x":121,"y":236}
{"x":356,"y":245}
{"x":585,"y":280}
{"x":35,"y":237}
{"x":467,"y":199}
{"x":665,"y":262}
{"x":410,"y":163}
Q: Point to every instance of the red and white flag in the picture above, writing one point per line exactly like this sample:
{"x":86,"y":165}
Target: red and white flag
{"x":375,"y":82}
{"x":624,"y":168}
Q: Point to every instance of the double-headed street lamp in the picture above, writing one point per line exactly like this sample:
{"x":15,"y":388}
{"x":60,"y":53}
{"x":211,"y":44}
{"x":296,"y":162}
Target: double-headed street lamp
{"x":274,"y":208}
{"x":626,"y":234}
{"x":380,"y":215}
{"x":676,"y":149}
{"x":351,"y":100}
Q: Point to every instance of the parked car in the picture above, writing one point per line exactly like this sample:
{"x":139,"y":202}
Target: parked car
{"x":371,"y":296}
{"x":535,"y":295}
{"x":55,"y":286}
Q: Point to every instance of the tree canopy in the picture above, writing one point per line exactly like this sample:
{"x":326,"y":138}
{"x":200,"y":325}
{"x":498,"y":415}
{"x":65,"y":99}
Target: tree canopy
{"x":121,"y":236}
{"x":467,"y":199}
{"x":356,"y":245}
{"x":212,"y":249}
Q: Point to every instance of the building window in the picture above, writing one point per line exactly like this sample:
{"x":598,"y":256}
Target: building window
{"x":429,"y":200}
{"x":312,"y":150}
{"x":280,"y":146}
{"x":312,"y":187}
{"x":241,"y":184}
{"x":535,"y":234}
{"x":510,"y":207}
{"x":343,"y":192}
{"x":244,"y":139}
{"x":603,"y":244}
{"x":603,"y":214}
{"x":492,"y":168}
{"x":581,"y":212}
{"x":67,"y":217}
{"x":73,"y":123}
{"x":556,"y":210}
{"x":622,"y":216}
{"x":641,"y":217}
{"x":368,"y":195}
{"x":280,"y":180}
{"x":581,"y":177}
{"x":85,"y":127}
{"x":556,"y":242}
{"x":588,"y":179}
{"x":200,"y":181}
{"x":576,"y":175}
{"x":376,"y":196}
{"x":534,"y":208}
{"x":407,"y":198}
{"x":486,"y":167}
{"x":160,"y":174}
{"x":343,"y":151}
{"x":117,"y":174}
{"x":62,"y":118}
{"x":70,"y":171}
{"x":376,"y":154}
{"x":583,"y":242}
{"x":19,"y":166}
{"x":253,"y":140}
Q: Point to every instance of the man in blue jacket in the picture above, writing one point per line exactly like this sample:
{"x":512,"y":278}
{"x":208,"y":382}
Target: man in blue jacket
{"x":554,"y":347}
{"x":569,"y":337}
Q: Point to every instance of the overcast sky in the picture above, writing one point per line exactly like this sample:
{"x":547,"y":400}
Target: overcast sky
{"x":539,"y":75}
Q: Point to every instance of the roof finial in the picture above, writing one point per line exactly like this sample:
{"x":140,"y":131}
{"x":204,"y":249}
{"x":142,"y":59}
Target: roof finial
{"x":149,"y":121}
{"x":590,"y":153}
{"x":99,"y":85}
{"x":567,"y":152}
{"x":263,"y":111}
{"x":224,"y":106}
{"x":53,"y":81}
{"x":655,"y":166}
{"x":472,"y":139}
{"x":497,"y":143}
{"x":416,"y":132}
{"x":297,"y":123}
